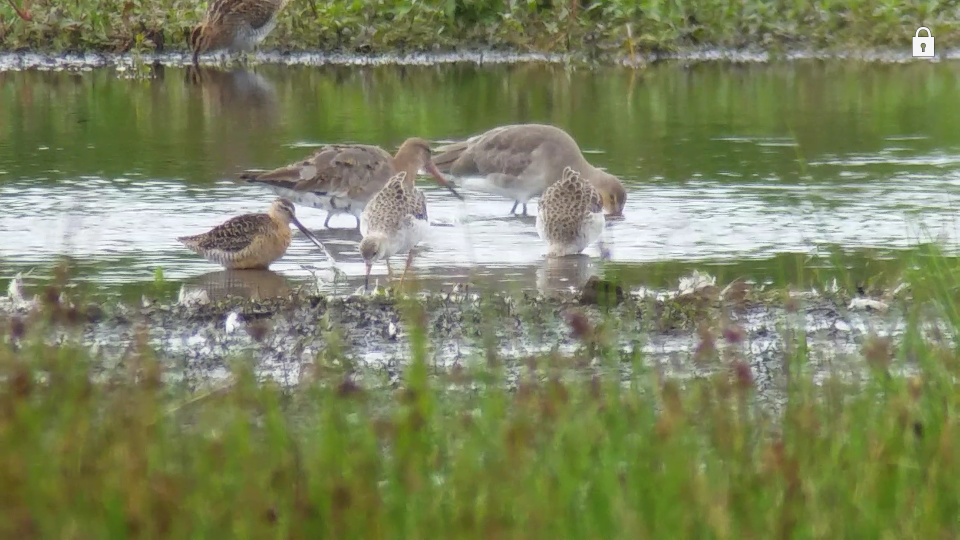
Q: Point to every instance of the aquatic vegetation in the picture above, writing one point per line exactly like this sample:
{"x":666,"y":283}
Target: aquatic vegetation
{"x":451,"y":451}
{"x":594,"y":28}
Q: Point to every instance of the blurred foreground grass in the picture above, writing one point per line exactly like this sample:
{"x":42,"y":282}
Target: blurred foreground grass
{"x":614,"y":26}
{"x":88,"y":453}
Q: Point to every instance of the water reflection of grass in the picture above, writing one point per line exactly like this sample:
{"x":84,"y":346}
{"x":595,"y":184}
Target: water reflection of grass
{"x":453,"y":452}
{"x":868,"y":269}
{"x":624,"y":26}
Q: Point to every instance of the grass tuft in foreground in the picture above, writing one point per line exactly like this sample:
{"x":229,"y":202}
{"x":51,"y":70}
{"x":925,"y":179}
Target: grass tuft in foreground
{"x":91,"y":453}
{"x":593,"y":27}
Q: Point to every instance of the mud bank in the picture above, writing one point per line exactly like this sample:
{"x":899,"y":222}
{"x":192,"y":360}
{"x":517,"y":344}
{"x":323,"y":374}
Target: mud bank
{"x":19,"y":61}
{"x":685,"y":333}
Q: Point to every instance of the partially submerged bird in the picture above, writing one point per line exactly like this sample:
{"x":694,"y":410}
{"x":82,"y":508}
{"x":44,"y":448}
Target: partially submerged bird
{"x":250,"y":241}
{"x":520,"y":161}
{"x":394,"y":221}
{"x":570,"y":217}
{"x":235,"y":25}
{"x":342,"y":178}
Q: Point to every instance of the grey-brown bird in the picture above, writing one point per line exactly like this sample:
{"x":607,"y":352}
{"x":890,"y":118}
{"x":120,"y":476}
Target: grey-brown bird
{"x":235,"y":25}
{"x":342,"y":178}
{"x":520,"y":161}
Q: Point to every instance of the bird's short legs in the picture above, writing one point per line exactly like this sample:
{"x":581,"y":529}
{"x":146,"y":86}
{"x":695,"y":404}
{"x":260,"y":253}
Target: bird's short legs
{"x":605,"y":254}
{"x":326,"y":222}
{"x":406,"y":269}
{"x":513,"y":210}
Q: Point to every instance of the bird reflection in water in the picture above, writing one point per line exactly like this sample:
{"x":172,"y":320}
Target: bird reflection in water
{"x":239,"y":93}
{"x":250,"y":284}
{"x":240,"y":110}
{"x":565,"y":273}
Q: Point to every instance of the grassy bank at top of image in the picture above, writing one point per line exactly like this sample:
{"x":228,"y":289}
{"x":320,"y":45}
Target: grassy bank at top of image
{"x":452,"y":452}
{"x":597,"y":29}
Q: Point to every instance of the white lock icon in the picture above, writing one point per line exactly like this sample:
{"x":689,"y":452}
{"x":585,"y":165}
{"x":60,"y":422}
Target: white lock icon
{"x":923,"y":46}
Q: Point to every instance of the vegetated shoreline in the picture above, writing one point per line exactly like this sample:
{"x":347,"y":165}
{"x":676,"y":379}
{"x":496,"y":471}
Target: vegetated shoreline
{"x":573,"y":448}
{"x":33,"y":60}
{"x":680,"y":332}
{"x":593,"y":29}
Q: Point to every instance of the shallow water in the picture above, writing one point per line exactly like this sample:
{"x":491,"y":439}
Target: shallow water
{"x":748,"y":169}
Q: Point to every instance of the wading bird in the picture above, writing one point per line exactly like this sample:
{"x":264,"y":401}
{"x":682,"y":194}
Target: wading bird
{"x":235,"y":25}
{"x":520,"y":161}
{"x":250,"y":241}
{"x":342,"y":178}
{"x":394,"y":221}
{"x":570,"y":215}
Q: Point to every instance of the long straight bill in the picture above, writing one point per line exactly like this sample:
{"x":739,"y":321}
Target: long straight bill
{"x":312,"y":238}
{"x":432,"y":169}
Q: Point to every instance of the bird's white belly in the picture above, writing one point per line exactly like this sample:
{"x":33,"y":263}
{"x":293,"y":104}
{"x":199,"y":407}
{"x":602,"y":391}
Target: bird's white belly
{"x":592,"y":229}
{"x":247,"y":37}
{"x":335,"y":205}
{"x":407,"y":237}
{"x":589,"y":232}
{"x":522,"y":189}
{"x":541,"y":228}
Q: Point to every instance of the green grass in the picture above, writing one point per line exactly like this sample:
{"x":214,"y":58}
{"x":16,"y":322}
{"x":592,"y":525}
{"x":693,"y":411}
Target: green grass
{"x":455,"y":453}
{"x":595,"y":28}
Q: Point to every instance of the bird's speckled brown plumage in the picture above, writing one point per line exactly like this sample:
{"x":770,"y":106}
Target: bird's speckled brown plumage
{"x":394,"y":221}
{"x":520,"y":161}
{"x":343,"y":178}
{"x":236,"y":25}
{"x":570,"y":215}
{"x":250,"y":241}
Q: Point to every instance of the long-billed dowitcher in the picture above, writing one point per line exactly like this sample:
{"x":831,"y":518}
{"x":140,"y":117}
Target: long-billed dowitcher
{"x":235,"y":25}
{"x":570,"y":215}
{"x":250,"y":241}
{"x":520,"y":161}
{"x":342,"y":178}
{"x":394,"y":221}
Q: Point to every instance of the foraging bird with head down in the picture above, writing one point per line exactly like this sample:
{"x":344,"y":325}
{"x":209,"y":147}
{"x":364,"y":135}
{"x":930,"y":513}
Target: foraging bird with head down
{"x":394,"y":221}
{"x":343,"y":178}
{"x":570,"y":215}
{"x":250,"y":241}
{"x":235,"y":25}
{"x":520,"y":161}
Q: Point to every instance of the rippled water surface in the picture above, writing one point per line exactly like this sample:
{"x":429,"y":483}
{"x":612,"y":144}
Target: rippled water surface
{"x":747,"y":169}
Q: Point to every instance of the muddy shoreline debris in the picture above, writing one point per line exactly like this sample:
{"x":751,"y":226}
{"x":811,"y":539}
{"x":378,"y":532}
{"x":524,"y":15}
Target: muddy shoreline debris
{"x":79,"y":61}
{"x":692,"y":331}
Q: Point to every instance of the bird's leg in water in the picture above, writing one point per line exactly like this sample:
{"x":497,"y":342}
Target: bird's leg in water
{"x":605,"y":254}
{"x":406,"y":268}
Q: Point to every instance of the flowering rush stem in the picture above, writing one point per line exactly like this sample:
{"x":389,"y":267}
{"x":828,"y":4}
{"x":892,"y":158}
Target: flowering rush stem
{"x":23,"y":12}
